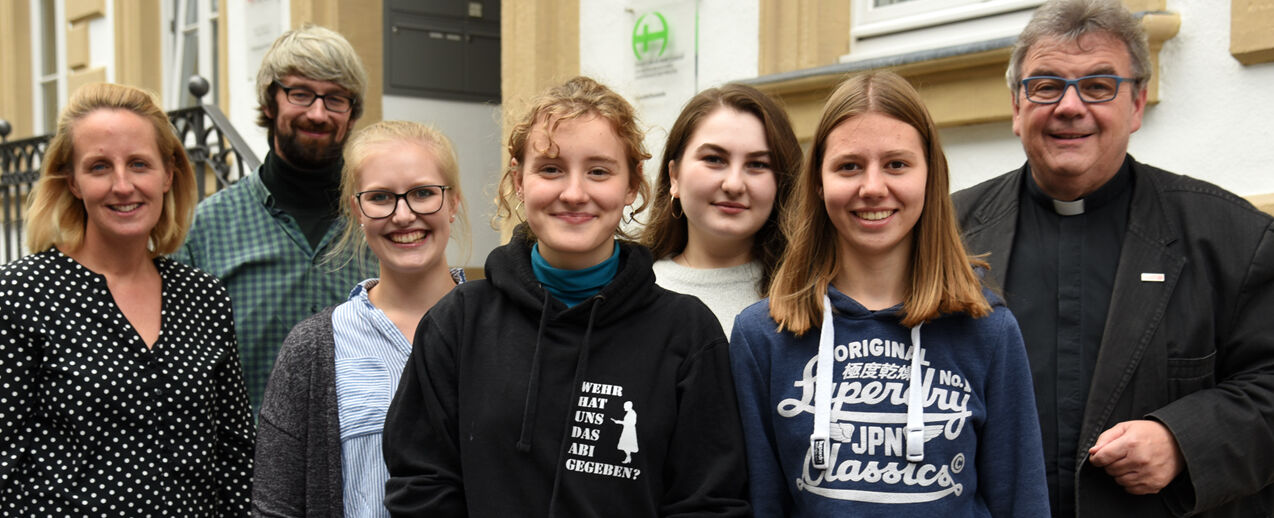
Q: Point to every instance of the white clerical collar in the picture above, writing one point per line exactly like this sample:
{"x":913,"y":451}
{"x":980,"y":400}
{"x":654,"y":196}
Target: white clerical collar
{"x":1069,"y":208}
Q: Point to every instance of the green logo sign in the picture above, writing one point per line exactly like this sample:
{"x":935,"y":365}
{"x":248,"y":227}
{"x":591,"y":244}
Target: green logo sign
{"x":644,"y":36}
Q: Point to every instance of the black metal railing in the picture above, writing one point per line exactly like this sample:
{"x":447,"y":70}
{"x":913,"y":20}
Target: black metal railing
{"x":19,"y":167}
{"x":216,"y":152}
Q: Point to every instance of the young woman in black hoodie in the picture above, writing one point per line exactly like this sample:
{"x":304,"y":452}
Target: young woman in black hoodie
{"x":567,"y":383}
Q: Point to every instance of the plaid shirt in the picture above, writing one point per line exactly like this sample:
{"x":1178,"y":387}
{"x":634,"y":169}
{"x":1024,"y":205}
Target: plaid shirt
{"x":274,"y":277}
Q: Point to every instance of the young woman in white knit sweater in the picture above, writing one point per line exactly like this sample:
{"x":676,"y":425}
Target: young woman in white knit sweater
{"x":728,"y":166}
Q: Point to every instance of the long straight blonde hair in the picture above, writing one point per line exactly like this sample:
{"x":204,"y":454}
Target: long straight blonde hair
{"x":942,"y":278}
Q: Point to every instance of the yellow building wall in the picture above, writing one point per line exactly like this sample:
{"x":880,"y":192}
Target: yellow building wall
{"x":539,"y":47}
{"x":1252,"y":31}
{"x":16,"y":81}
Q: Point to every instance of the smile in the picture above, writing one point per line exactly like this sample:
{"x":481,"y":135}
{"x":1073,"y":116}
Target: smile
{"x":873,"y":215}
{"x":574,"y":217}
{"x":1069,"y":136}
{"x":407,"y":237}
{"x":730,"y":207}
{"x":125,"y":208}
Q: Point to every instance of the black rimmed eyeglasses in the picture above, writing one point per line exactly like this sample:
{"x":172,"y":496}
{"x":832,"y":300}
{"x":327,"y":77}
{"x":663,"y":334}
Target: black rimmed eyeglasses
{"x":423,"y":200}
{"x":305,"y":97}
{"x":1098,"y":88}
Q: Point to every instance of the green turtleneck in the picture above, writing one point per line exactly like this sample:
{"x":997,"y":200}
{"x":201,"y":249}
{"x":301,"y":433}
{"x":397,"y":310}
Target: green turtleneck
{"x":311,"y":197}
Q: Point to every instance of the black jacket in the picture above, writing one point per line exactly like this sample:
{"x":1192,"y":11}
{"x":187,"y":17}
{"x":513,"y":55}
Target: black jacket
{"x":1194,"y":351}
{"x":514,"y":405}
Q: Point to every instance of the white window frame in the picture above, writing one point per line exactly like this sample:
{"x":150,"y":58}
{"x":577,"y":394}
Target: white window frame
{"x":39,"y":78}
{"x":175,"y":28}
{"x":916,"y":25}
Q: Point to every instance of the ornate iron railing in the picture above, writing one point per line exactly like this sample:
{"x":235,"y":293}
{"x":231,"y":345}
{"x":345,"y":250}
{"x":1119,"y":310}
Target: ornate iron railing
{"x":216,"y":152}
{"x":19,"y":167}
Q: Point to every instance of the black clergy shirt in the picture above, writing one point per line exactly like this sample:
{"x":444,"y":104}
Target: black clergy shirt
{"x":1058,"y":284}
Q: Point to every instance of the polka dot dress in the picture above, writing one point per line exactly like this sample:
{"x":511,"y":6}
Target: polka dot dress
{"x":92,"y":423}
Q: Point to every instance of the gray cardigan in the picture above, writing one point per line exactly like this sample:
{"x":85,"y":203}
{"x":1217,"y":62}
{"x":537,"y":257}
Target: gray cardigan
{"x":298,"y":457}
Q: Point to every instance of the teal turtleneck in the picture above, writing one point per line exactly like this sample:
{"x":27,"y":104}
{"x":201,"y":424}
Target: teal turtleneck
{"x":574,"y":286}
{"x":311,"y":197}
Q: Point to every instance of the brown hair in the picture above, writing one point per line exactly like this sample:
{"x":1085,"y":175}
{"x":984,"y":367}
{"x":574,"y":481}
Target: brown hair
{"x":942,"y":278}
{"x":577,"y":98}
{"x":666,"y":233}
{"x":56,"y":217}
{"x":373,"y":140}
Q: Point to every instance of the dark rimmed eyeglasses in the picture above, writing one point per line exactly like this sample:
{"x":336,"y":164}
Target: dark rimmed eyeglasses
{"x":423,"y":200}
{"x":1097,"y":88}
{"x":305,"y":97}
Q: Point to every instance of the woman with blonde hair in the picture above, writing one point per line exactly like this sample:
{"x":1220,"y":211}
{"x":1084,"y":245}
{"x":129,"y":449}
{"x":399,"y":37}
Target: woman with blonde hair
{"x":319,"y":445}
{"x":523,"y":391}
{"x":121,"y":391}
{"x":728,"y":169}
{"x":879,"y":378}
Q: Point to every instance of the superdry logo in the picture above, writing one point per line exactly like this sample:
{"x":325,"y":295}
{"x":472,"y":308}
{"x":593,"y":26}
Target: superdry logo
{"x":868,"y":414}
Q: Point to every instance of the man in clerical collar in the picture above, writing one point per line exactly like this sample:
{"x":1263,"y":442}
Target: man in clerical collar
{"x":266,"y":236}
{"x":1146,"y":299}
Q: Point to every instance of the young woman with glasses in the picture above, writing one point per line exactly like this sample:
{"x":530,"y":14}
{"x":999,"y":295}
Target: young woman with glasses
{"x":319,"y":449}
{"x":567,"y":383}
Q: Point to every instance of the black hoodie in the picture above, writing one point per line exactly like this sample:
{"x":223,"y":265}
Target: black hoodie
{"x":513,"y":404}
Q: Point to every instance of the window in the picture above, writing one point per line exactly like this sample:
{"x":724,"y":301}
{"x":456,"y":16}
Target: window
{"x":48,"y":38}
{"x":891,"y":27}
{"x":190,"y":48}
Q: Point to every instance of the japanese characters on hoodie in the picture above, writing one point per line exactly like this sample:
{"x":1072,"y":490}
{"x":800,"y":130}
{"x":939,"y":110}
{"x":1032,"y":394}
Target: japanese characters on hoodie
{"x":975,"y":445}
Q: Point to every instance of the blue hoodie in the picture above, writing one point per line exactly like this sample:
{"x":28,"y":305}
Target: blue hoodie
{"x":975,"y":446}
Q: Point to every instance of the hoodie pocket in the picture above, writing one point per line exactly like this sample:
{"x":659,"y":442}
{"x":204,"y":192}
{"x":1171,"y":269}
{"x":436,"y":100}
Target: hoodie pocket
{"x":1189,"y":375}
{"x":362,"y":395}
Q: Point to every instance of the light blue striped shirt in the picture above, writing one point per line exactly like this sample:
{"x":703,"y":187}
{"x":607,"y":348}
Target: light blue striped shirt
{"x":370,"y":356}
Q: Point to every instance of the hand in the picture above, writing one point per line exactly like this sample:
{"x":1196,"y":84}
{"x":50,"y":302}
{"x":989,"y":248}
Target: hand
{"x":1141,"y":455}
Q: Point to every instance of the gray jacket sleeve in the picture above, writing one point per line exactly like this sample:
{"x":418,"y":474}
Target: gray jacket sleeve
{"x":298,"y":470}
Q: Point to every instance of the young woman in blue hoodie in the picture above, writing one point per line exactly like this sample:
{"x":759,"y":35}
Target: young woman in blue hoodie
{"x":879,"y":378}
{"x":567,"y":383}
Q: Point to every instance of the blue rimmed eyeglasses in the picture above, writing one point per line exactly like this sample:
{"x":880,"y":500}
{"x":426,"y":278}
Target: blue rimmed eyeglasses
{"x":1097,"y":88}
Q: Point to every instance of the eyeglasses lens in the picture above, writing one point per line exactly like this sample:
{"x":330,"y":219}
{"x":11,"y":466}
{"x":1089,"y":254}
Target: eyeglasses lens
{"x":421,"y":200}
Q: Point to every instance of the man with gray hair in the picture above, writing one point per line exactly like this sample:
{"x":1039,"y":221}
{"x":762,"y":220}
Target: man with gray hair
{"x":265,"y":236}
{"x":1146,"y":298}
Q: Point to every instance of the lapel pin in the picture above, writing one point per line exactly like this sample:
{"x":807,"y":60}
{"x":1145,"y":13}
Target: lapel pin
{"x":1152,"y":277}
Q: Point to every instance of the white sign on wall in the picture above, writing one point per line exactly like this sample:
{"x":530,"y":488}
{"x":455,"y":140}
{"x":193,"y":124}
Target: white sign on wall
{"x":664,"y":60}
{"x":252,"y":27}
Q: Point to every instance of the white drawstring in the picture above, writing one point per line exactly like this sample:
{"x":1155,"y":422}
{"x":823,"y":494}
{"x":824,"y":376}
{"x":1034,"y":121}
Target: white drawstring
{"x":820,"y":445}
{"x":820,"y":448}
{"x":915,"y":403}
